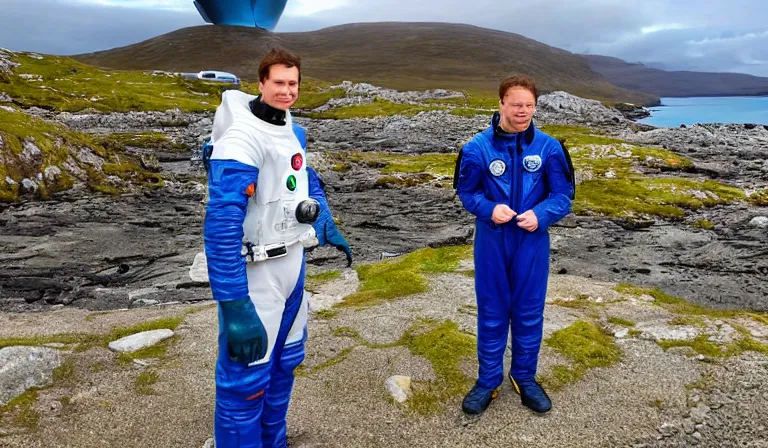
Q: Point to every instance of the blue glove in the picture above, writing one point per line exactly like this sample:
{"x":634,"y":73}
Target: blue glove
{"x":246,"y":337}
{"x":328,"y":233}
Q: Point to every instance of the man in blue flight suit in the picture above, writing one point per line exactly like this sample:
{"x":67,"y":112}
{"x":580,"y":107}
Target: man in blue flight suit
{"x":265,"y":207}
{"x":515,"y":180}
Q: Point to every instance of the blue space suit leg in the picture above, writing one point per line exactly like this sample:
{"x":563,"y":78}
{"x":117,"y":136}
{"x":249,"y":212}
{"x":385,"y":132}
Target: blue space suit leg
{"x":493,"y":301}
{"x":530,"y":273}
{"x":285,"y":361}
{"x":239,"y":400}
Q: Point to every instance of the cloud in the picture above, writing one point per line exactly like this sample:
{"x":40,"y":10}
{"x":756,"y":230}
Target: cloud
{"x":71,"y":28}
{"x":703,"y":35}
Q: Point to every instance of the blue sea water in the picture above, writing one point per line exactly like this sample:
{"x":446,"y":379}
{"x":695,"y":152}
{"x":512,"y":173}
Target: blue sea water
{"x":735,"y":109}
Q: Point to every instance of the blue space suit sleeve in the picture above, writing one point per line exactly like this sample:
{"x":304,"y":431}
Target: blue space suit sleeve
{"x":223,"y":227}
{"x":558,"y":203}
{"x":301,"y":135}
{"x":470,"y":185}
{"x":325,"y":229}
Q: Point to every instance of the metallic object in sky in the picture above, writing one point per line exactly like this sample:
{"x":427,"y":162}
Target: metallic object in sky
{"x":254,"y":13}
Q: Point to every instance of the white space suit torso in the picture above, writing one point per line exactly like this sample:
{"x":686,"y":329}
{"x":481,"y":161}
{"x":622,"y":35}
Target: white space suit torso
{"x":270,"y":219}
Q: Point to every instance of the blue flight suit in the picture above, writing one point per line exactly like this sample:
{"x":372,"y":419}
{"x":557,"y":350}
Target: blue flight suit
{"x":526,"y":171}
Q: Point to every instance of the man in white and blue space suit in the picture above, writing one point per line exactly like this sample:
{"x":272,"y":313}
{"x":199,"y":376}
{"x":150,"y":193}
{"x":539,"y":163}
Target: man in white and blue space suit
{"x":516,"y":181}
{"x":265,"y":206}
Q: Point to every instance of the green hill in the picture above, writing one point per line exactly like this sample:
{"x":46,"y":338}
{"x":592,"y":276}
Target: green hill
{"x":403,"y":56}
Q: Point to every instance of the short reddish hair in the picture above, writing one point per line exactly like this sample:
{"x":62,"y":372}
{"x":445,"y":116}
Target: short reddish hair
{"x":278,"y":56}
{"x":518,"y":80}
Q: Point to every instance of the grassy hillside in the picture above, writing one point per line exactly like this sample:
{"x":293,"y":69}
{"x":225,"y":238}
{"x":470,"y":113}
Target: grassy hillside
{"x":678,"y":83}
{"x":405,"y":56}
{"x":39,"y":158}
{"x":64,"y":84}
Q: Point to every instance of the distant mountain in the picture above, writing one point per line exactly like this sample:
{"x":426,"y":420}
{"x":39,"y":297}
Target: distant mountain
{"x":640,"y":78}
{"x":396,"y":55}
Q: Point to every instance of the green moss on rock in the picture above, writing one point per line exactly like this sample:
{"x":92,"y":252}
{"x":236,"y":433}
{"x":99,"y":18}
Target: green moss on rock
{"x":404,"y":275}
{"x":586,"y":346}
{"x":56,"y":157}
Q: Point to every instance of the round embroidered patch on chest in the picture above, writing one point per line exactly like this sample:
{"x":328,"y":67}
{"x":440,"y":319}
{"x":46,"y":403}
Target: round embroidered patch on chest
{"x":497,"y":167}
{"x":290,"y":183}
{"x":532,"y":163}
{"x":297,"y":161}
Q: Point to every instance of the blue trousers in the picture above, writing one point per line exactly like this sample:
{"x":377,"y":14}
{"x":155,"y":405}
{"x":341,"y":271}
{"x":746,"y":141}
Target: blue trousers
{"x":511,"y":274}
{"x":252,"y":402}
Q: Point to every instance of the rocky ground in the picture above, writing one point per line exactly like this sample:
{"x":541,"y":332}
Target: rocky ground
{"x":648,"y":397}
{"x":75,"y":259}
{"x":100,"y":252}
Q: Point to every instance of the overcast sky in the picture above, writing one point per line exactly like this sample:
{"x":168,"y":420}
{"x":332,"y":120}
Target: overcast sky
{"x":702,"y":35}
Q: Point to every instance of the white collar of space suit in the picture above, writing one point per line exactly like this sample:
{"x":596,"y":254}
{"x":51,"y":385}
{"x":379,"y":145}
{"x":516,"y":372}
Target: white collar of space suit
{"x":235,"y":111}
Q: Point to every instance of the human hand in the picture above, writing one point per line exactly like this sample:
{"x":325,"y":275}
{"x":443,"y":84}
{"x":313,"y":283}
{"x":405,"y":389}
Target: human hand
{"x":247,"y":338}
{"x":528,"y":221}
{"x":502,"y":213}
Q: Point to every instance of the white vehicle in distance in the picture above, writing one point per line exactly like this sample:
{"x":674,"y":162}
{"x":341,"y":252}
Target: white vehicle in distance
{"x":213,"y":75}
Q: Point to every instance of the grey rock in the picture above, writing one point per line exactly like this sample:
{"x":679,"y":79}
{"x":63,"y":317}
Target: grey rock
{"x":51,"y":173}
{"x":139,"y":341}
{"x":29,"y":185}
{"x":761,"y":222}
{"x":22,"y":368}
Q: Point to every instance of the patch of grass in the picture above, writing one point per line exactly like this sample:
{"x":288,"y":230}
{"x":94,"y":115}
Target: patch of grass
{"x":759,"y":198}
{"x":144,"y":382}
{"x":376,"y":108}
{"x":67,"y":85}
{"x":65,"y":373}
{"x":457,"y":101}
{"x":444,"y":346}
{"x":404,"y":180}
{"x":678,"y":305}
{"x":21,"y":410}
{"x":441,"y":343}
{"x":435,"y":164}
{"x":65,"y":338}
{"x":628,"y":194}
{"x":404,"y":275}
{"x":626,"y":288}
{"x":325,"y":314}
{"x":315,"y":99}
{"x":482,"y":99}
{"x":559,"y":376}
{"x":700,"y":344}
{"x":656,"y":404}
{"x":633,"y":196}
{"x":633,"y":333}
{"x":304,"y":371}
{"x":151,"y":140}
{"x":704,"y":224}
{"x":156,"y":351}
{"x":587,"y":346}
{"x":706,"y":382}
{"x":579,"y":303}
{"x":469,"y":112}
{"x":691,"y":321}
{"x":468,"y":309}
{"x":93,"y":316}
{"x":314,"y":282}
{"x":619,"y":321}
{"x":746,"y":344}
